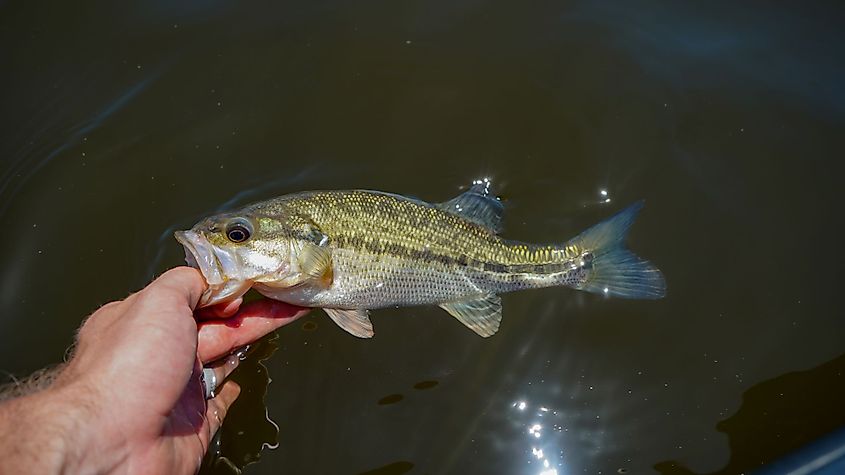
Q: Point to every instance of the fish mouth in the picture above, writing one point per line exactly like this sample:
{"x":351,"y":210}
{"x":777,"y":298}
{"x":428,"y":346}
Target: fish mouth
{"x":200,"y":255}
{"x":219,"y":268}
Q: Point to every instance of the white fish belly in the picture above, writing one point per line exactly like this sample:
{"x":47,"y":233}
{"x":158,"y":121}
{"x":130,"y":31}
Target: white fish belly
{"x":367,"y":282}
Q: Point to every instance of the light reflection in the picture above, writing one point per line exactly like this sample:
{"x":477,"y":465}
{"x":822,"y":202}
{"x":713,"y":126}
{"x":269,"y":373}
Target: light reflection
{"x":540,"y":448}
{"x":484,"y":181}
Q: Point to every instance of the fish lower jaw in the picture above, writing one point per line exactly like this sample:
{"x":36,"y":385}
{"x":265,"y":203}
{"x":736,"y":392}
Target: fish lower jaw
{"x":224,"y":292}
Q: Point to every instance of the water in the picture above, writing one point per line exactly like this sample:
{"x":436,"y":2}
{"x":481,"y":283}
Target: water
{"x":122,"y":122}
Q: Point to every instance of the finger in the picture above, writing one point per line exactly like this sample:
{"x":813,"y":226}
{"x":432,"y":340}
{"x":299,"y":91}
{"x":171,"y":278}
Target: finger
{"x":254,"y":320}
{"x":223,"y":367}
{"x":219,"y":406}
{"x":223,"y":310}
{"x":186,"y":281}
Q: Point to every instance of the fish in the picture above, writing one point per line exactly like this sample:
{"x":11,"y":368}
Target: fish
{"x":352,"y":251}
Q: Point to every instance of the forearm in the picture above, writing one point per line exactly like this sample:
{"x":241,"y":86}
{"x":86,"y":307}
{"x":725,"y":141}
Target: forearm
{"x":49,"y":432}
{"x":37,"y":381}
{"x":36,"y":435}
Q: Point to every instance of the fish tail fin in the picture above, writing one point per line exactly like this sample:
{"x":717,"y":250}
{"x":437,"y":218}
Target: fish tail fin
{"x":614,"y":270}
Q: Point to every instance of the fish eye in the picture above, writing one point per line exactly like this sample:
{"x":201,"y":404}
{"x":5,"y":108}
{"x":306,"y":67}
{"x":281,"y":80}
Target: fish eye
{"x":238,"y":231}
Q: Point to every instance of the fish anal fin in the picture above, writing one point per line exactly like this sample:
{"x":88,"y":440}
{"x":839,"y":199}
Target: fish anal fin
{"x":482,"y":314}
{"x":477,"y":205}
{"x":355,"y":321}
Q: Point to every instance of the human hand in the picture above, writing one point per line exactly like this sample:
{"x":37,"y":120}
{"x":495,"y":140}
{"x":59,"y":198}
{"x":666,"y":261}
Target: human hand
{"x":131,"y":400}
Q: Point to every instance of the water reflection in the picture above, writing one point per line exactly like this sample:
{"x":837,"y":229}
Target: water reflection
{"x":29,"y":159}
{"x":248,"y":429}
{"x":778,"y":416}
{"x":728,"y":122}
{"x":695,"y":34}
{"x":546,"y":448}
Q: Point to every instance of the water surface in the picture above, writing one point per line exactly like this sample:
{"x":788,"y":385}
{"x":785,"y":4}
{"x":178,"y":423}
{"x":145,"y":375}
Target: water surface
{"x":122,"y":122}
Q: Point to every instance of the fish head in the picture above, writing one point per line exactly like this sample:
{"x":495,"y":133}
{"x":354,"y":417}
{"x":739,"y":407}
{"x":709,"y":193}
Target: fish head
{"x":233,"y":251}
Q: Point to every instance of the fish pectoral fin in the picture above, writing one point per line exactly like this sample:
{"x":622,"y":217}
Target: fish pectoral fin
{"x":483,"y":314}
{"x":315,"y":263}
{"x":355,"y":321}
{"x":477,"y":205}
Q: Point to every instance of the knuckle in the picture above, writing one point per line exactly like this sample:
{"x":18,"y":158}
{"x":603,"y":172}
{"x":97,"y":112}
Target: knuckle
{"x":93,"y":321}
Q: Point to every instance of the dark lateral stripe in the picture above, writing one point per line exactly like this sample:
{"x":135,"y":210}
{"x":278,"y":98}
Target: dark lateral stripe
{"x":402,"y":252}
{"x":397,"y":250}
{"x":549,"y":268}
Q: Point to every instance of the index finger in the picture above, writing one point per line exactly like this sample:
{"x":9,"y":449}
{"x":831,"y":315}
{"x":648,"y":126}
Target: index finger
{"x":220,"y":337}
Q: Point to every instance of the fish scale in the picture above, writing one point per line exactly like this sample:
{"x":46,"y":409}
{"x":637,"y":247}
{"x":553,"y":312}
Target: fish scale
{"x":353,"y":219}
{"x":351,"y":251}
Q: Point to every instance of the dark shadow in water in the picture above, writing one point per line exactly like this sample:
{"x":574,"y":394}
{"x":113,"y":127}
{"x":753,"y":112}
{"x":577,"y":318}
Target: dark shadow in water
{"x":395,"y":468}
{"x":425,"y":385}
{"x":778,"y":416}
{"x":394,"y":398}
{"x":391,"y":399}
{"x":247,"y":429}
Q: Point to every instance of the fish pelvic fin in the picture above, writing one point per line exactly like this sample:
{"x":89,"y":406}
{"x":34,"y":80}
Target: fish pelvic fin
{"x":482,"y":314}
{"x":357,"y":322}
{"x":615,"y":271}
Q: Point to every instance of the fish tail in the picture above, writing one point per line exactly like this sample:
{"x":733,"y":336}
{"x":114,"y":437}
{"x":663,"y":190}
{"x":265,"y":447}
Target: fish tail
{"x":614,"y":270}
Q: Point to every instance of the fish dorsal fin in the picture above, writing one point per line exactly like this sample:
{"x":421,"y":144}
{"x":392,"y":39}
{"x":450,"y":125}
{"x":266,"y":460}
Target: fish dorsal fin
{"x":482,"y":314}
{"x":477,"y":205}
{"x":356,"y":322}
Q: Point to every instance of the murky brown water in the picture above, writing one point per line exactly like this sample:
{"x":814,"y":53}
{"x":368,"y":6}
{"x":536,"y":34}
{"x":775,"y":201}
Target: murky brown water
{"x":124,"y":121}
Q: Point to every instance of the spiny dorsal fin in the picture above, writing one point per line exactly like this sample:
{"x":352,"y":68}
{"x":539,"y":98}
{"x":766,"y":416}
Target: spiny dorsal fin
{"x":356,"y":322}
{"x":481,"y":315}
{"x":477,"y":205}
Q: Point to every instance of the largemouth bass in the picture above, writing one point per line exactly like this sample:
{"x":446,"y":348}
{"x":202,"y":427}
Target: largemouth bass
{"x":351,"y":251}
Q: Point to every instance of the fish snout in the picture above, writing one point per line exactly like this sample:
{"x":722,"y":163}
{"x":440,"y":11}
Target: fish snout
{"x":200,"y":255}
{"x":218,"y":267}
